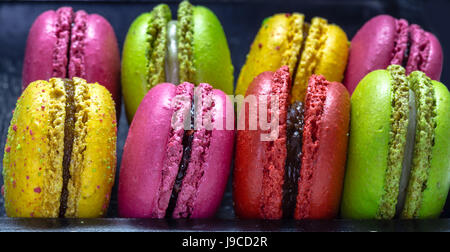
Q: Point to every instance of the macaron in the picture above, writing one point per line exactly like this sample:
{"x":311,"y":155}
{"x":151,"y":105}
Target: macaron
{"x":399,"y":148}
{"x":158,"y":49}
{"x":66,"y":44}
{"x":299,"y":171}
{"x":60,"y":153}
{"x":384,"y":41}
{"x":287,"y":39}
{"x":177,"y":155}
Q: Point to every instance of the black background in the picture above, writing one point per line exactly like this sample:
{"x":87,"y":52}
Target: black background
{"x":241,"y":21}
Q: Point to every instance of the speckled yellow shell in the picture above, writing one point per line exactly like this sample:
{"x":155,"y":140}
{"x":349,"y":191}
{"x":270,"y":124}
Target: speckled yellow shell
{"x":325,"y":53}
{"x":279,"y":42}
{"x":32,"y":164}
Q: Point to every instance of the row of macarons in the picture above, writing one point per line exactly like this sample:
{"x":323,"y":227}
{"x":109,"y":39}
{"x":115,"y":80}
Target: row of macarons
{"x":194,"y":48}
{"x":60,"y":155}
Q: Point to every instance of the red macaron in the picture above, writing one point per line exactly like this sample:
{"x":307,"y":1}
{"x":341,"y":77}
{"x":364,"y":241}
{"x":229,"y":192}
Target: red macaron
{"x":66,"y":44}
{"x":300,"y":173}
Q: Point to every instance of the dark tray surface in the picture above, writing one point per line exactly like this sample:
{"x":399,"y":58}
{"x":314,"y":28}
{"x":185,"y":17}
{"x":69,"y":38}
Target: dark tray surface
{"x":148,"y":225}
{"x":241,"y":20}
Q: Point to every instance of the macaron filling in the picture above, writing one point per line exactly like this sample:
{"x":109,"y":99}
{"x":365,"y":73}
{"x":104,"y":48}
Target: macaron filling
{"x":409,"y":152}
{"x":69,"y":126}
{"x":294,"y":133}
{"x":171,"y":67}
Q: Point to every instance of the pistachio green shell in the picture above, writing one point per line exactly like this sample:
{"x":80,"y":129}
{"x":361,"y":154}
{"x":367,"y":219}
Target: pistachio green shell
{"x":438,"y":183}
{"x":212,"y":60}
{"x":135,"y":64}
{"x":368,"y":146}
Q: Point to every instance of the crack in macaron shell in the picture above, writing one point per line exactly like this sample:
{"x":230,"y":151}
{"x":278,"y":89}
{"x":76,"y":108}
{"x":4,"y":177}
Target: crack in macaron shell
{"x":49,"y":167}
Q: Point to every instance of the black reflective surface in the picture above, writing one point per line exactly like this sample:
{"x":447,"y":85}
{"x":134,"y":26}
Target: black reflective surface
{"x":241,"y":20}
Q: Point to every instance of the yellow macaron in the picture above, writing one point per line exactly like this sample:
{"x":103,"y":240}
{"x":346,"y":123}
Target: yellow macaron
{"x":60,"y":154}
{"x":286,"y":39}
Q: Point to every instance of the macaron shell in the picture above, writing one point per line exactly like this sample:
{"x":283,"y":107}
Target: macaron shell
{"x":134,"y":64}
{"x":94,"y":164}
{"x":249,"y":164}
{"x":29,"y":192}
{"x":138,"y":182}
{"x":211,"y":56}
{"x":438,"y":183}
{"x":101,"y":56}
{"x":217,"y":162}
{"x":434,"y":64}
{"x":371,"y":48}
{"x":38,"y":62}
{"x":334,"y":55}
{"x":322,"y":172}
{"x":270,"y":46}
{"x":260,"y":162}
{"x":325,"y":53}
{"x":368,"y":146}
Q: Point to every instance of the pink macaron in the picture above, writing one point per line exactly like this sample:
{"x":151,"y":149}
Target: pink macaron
{"x":384,"y":41}
{"x":67,"y":44}
{"x":177,"y":155}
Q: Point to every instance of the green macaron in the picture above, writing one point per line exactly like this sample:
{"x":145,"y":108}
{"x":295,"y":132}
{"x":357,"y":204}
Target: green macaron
{"x":399,"y":148}
{"x":157,"y":49}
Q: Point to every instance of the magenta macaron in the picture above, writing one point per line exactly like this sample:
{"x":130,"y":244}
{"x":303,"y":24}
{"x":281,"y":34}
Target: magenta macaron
{"x":66,"y":44}
{"x":384,"y":41}
{"x":177,"y":156}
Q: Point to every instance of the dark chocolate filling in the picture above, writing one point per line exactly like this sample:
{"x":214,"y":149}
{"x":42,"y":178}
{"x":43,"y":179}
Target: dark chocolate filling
{"x":69,"y":126}
{"x":407,"y":50}
{"x":188,"y":138}
{"x":294,"y":133}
